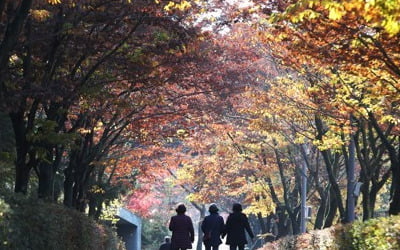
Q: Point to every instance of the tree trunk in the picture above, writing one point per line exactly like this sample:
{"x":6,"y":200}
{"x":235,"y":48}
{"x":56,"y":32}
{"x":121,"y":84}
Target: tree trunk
{"x":366,"y":201}
{"x":283,"y":223}
{"x":81,"y":199}
{"x":12,"y":32}
{"x":22,"y":168}
{"x":335,"y":190}
{"x":75,"y":193}
{"x":394,"y":207}
{"x":99,"y":210}
{"x":333,"y":206}
{"x":294,"y":217}
{"x":45,"y":190}
{"x":286,"y":195}
{"x":199,"y":232}
{"x":47,"y":171}
{"x":321,"y":213}
{"x":92,"y":206}
{"x":372,"y":200}
{"x":68,"y":184}
{"x":22,"y":175}
{"x":262,"y":223}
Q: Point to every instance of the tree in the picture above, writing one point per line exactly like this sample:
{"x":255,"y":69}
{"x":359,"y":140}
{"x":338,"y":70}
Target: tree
{"x":356,"y":51}
{"x":71,"y":100}
{"x":7,"y":153}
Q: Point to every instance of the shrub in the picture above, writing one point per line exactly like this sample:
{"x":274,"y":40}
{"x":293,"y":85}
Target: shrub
{"x":34,"y":224}
{"x":377,"y":234}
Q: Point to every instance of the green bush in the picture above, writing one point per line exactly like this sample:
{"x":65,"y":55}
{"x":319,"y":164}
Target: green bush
{"x":375,"y":234}
{"x":379,"y":234}
{"x":154,"y":231}
{"x":34,"y":224}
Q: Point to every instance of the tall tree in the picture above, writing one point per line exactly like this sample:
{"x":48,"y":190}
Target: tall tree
{"x":352,"y":44}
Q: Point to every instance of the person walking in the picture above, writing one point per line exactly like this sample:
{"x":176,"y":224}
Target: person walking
{"x":236,"y":225}
{"x":182,"y":229}
{"x":212,"y":227}
{"x":167,"y":244}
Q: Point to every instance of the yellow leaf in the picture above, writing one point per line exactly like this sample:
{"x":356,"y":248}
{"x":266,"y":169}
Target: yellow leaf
{"x":169,"y":6}
{"x":336,"y":13}
{"x":54,"y":2}
{"x":40,"y":15}
{"x":391,"y":26}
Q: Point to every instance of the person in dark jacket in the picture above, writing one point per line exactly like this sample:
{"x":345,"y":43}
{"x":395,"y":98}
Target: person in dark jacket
{"x":236,"y":225}
{"x":212,"y":227}
{"x":182,"y":230}
{"x":167,"y":244}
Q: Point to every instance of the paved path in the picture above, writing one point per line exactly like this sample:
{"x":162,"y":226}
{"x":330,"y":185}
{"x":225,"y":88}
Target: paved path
{"x":221,"y":247}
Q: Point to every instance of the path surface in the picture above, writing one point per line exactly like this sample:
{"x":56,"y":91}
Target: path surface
{"x":221,"y":247}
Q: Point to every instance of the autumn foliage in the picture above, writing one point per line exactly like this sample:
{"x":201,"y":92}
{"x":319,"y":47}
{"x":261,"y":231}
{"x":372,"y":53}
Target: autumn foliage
{"x":119,"y":98}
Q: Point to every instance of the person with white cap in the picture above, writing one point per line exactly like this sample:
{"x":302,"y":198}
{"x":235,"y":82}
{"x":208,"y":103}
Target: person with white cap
{"x":167,"y":244}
